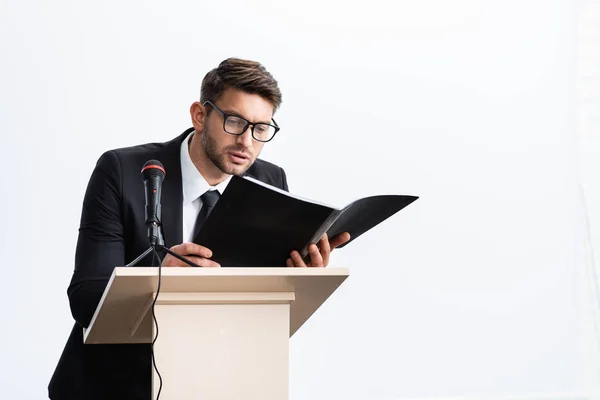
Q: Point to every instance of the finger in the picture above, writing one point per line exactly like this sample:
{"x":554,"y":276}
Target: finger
{"x":190,"y":248}
{"x":315,"y":256}
{"x":204,"y":262}
{"x":199,"y":250}
{"x":289,"y":263}
{"x":325,"y":249}
{"x":193,"y":259}
{"x":171,"y":261}
{"x":297,"y":260}
{"x":338,"y":240}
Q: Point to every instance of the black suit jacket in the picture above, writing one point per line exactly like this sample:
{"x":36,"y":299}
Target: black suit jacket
{"x":113,"y":233}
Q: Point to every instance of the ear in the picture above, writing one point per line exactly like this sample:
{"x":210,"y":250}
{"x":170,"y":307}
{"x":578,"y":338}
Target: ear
{"x":198,"y":115}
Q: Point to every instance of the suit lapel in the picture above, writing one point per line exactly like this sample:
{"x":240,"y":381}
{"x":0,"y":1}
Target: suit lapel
{"x":172,"y":194}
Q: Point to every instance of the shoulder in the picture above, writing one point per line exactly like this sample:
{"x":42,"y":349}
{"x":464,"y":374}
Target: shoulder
{"x":261,"y":165}
{"x":132,"y":158}
{"x":269,"y":173}
{"x":150,"y":149}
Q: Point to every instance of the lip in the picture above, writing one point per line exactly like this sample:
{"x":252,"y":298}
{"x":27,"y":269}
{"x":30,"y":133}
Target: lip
{"x":239,"y":155}
{"x":238,"y":158}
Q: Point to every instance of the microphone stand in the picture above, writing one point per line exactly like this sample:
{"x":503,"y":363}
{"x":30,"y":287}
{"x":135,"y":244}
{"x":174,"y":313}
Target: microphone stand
{"x":157,"y":244}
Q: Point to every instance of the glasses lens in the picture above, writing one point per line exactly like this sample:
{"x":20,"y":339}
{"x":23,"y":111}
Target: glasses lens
{"x":235,"y":125}
{"x":263,"y":132}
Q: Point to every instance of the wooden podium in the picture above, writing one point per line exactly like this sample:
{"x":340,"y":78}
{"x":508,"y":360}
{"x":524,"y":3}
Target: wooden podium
{"x":223,"y":333}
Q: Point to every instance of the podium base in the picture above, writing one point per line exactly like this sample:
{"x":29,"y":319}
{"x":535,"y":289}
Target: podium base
{"x":234,"y":346}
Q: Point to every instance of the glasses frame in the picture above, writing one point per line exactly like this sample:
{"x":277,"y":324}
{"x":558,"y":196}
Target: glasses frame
{"x":248,"y":123}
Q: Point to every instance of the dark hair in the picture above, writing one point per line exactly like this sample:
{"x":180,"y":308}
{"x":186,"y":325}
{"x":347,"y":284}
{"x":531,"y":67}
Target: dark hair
{"x":249,"y":76}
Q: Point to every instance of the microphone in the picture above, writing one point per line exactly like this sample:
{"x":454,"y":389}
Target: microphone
{"x":153,"y":174}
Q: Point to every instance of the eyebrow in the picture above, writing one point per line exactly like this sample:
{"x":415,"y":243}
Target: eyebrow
{"x":229,"y":111}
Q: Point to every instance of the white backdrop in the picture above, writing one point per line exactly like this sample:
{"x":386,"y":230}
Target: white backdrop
{"x":475,"y":289}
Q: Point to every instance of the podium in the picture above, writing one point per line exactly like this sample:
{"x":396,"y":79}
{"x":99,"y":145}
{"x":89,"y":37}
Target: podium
{"x":223,"y":333}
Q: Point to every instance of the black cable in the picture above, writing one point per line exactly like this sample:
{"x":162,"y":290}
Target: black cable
{"x":155,"y":253}
{"x":153,"y":249}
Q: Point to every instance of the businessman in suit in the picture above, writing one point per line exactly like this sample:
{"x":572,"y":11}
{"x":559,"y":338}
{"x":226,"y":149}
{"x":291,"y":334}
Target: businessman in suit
{"x":231,"y":124}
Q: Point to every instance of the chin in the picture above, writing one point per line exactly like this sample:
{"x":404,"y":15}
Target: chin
{"x":236,"y":169}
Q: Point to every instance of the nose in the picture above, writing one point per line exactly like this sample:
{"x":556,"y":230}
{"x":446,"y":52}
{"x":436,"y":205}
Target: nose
{"x":245,"y":139}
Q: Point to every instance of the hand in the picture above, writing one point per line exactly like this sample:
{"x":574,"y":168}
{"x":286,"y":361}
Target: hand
{"x":193,"y":252}
{"x":319,"y":253}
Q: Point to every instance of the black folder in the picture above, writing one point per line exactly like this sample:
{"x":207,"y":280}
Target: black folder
{"x":258,"y":225}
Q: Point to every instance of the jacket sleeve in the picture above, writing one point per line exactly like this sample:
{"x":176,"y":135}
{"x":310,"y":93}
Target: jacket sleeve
{"x":100,"y":244}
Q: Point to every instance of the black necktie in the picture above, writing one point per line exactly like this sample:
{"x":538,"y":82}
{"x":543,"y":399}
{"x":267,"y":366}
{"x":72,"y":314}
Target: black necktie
{"x":209,"y":199}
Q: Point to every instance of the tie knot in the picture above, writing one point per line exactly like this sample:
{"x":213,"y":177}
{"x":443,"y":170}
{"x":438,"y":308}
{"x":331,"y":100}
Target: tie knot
{"x":210,"y":198}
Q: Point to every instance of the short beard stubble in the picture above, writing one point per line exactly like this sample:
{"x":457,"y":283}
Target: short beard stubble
{"x":211,"y":149}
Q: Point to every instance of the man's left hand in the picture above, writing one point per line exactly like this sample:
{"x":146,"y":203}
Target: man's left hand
{"x":319,"y":253}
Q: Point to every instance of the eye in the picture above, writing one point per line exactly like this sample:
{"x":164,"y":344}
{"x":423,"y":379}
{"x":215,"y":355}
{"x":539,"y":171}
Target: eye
{"x":261,"y":129}
{"x":236,"y":121}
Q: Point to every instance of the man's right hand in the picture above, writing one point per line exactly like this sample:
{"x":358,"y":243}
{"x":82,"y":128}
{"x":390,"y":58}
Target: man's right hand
{"x":194,"y":252}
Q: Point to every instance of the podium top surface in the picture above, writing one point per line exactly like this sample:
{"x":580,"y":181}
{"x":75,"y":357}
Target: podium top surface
{"x":123,"y":313}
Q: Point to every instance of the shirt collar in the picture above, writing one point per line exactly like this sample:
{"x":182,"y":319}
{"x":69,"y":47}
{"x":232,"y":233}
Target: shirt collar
{"x":193,"y":183}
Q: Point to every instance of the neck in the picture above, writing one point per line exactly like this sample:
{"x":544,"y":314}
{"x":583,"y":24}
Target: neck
{"x":205,"y":166}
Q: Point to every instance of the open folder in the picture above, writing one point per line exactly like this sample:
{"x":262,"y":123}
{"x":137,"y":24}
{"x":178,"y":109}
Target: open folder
{"x":258,"y":225}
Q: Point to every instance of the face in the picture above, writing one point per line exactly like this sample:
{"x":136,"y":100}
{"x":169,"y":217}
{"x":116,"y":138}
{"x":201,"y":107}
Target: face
{"x":230,"y":154}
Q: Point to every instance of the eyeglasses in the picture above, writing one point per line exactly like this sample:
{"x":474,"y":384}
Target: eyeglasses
{"x":236,"y":125}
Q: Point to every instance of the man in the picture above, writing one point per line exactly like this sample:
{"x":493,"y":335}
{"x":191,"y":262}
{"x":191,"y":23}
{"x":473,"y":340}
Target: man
{"x":231,"y":124}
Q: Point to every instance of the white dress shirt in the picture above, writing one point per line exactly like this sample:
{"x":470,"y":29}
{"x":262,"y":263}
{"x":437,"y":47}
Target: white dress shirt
{"x":193,"y":185}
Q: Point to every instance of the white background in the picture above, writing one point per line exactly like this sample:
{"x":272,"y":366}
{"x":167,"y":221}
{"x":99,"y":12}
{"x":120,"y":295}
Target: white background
{"x":480,"y":288}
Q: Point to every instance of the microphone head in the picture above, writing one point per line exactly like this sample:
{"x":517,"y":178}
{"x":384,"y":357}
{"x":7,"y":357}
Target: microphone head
{"x":153,"y":168}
